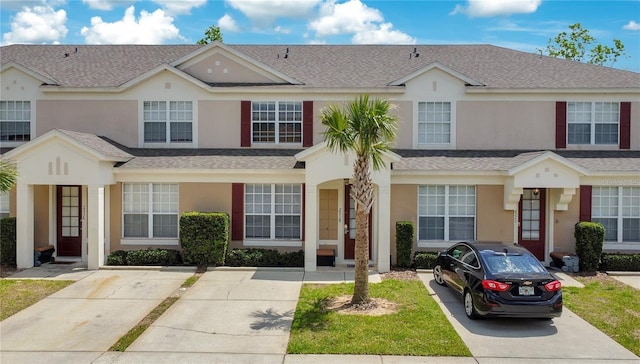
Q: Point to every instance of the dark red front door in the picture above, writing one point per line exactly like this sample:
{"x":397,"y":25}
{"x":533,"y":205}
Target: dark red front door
{"x":69,"y":206}
{"x":531,"y":231}
{"x":350,"y":225}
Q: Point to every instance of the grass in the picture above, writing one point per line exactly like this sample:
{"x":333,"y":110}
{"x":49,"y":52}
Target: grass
{"x":16,"y":295}
{"x":418,"y":327}
{"x":123,"y":343}
{"x":609,"y":305}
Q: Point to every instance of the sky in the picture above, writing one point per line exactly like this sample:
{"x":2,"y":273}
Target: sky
{"x":524,"y":25}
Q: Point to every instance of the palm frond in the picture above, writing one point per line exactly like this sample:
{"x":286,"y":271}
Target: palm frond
{"x":8,"y":175}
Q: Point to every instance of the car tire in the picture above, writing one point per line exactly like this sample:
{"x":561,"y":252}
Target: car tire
{"x":437,"y":275}
{"x":469,"y":306}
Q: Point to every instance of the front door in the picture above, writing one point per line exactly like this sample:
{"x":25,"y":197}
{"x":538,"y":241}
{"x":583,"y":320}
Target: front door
{"x":350,"y":225}
{"x":69,"y":206}
{"x":531,"y":233}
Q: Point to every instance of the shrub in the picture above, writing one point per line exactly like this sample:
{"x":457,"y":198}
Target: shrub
{"x":118,"y":257}
{"x":264,"y":258}
{"x":8,"y":241}
{"x":620,"y":262}
{"x":589,"y":240}
{"x":204,"y":237}
{"x":424,"y":260}
{"x":154,"y":257}
{"x":404,"y":243}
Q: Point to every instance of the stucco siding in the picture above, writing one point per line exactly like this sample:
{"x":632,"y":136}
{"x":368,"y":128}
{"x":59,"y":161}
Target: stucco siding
{"x":505,"y":125}
{"x":115,"y":216}
{"x":404,"y":112}
{"x":205,"y":197}
{"x":635,"y":125}
{"x":221,"y":69}
{"x":493,"y":222}
{"x":563,"y":227}
{"x":404,"y":207}
{"x":115,"y":119}
{"x":41,"y":216}
{"x":219,"y":124}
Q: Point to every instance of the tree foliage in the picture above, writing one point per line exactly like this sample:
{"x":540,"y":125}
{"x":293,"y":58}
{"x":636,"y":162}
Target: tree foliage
{"x":579,"y":45}
{"x":212,"y":34}
{"x":368,"y":129}
{"x":8,"y":175}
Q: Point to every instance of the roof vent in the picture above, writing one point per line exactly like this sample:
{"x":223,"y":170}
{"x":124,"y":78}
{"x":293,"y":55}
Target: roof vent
{"x":414,"y":54}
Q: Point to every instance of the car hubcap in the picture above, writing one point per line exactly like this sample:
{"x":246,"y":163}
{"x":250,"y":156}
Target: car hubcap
{"x":437,"y":272}
{"x":468,"y":304}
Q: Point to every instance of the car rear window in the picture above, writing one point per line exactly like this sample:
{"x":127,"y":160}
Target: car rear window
{"x":513,"y":263}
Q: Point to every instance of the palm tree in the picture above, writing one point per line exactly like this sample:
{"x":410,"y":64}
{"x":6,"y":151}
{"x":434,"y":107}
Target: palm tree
{"x":8,"y":176}
{"x":367,"y":128}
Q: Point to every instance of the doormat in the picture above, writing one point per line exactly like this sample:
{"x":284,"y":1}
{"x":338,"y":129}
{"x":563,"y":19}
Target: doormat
{"x":59,"y":262}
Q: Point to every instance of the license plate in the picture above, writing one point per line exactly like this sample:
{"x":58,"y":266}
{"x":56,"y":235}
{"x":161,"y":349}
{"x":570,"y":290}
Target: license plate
{"x":525,"y":290}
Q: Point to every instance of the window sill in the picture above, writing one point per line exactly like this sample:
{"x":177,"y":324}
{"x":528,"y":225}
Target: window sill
{"x":276,"y":145}
{"x":169,"y":145}
{"x":273,"y":243}
{"x":435,"y":146}
{"x":148,"y":241}
{"x":612,"y":247}
{"x":436,"y":243}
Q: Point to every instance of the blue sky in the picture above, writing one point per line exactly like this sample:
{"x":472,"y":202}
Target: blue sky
{"x":524,"y":25}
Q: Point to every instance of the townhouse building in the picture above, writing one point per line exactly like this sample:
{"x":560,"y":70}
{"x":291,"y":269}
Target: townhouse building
{"x":114,"y":142}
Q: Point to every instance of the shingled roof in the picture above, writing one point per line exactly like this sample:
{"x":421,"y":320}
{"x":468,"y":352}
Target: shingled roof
{"x":325,"y":66}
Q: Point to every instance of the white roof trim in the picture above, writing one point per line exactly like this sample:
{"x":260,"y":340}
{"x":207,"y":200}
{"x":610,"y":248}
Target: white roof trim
{"x":441,"y":67}
{"x":28,"y":71}
{"x":155,"y":71}
{"x":323,"y":148}
{"x":548,"y":156}
{"x":182,"y":62}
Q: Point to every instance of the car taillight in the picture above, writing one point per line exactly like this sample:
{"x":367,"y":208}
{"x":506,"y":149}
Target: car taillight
{"x":553,"y":286}
{"x":494,"y":285}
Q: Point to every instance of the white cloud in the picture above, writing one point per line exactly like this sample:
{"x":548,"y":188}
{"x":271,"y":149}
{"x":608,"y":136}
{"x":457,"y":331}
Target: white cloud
{"x":264,"y":13}
{"x":282,"y":30}
{"x":228,"y":24}
{"x":489,"y":8}
{"x":366,"y":24}
{"x":38,"y":24}
{"x":106,"y":5}
{"x":179,"y":7}
{"x":150,"y":28}
{"x":632,"y":25}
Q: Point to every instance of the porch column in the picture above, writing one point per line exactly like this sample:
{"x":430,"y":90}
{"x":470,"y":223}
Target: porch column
{"x":384,"y":223}
{"x":311,"y":227}
{"x":24,"y":225}
{"x":95,"y":226}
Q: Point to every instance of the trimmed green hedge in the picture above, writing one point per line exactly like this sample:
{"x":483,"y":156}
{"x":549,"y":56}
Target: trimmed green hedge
{"x":404,"y":243}
{"x":148,"y":257}
{"x":253,"y":257}
{"x":204,"y":237}
{"x":8,"y":241}
{"x":589,"y":241}
{"x":424,"y":260}
{"x":620,"y":262}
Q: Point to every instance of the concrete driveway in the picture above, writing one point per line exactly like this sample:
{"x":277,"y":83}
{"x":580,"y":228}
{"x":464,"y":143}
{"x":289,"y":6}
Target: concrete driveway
{"x":567,"y":339}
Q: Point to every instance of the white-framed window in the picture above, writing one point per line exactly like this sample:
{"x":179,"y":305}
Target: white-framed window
{"x":150,"y":210}
{"x":593,"y":122}
{"x":168,"y":121}
{"x":276,"y":122}
{"x":4,"y":205}
{"x":273,"y":211}
{"x":15,"y":121}
{"x":618,"y":209}
{"x":434,"y":123}
{"x":446,"y":212}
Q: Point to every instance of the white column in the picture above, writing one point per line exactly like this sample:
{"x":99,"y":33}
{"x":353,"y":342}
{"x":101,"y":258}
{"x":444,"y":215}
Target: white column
{"x":24,"y":225}
{"x":310,"y":227}
{"x":95,"y":226}
{"x":384,"y":234}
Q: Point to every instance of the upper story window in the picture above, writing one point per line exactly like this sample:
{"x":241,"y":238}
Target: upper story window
{"x":273,"y":211}
{"x":276,"y":122}
{"x":446,"y":212}
{"x":618,"y":209}
{"x":593,"y":122}
{"x":4,"y":205}
{"x":150,"y":210}
{"x":168,"y":121}
{"x":434,"y":122}
{"x":15,"y":121}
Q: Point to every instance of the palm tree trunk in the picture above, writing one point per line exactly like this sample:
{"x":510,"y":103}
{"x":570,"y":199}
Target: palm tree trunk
{"x":363,"y":196}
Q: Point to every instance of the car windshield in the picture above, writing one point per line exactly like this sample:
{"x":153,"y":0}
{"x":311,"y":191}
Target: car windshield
{"x":513,"y":263}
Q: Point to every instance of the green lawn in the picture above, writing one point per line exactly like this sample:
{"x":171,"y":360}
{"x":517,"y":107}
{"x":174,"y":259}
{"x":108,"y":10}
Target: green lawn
{"x":609,"y":305}
{"x":418,"y":327}
{"x":16,"y":295}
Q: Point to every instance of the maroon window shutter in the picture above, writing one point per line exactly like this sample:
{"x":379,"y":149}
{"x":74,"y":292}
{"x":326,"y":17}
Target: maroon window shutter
{"x":304,"y":202}
{"x":245,"y":123}
{"x":237,"y":211}
{"x":585,"y":203}
{"x":625,"y":125}
{"x":561,"y":124}
{"x":307,"y":123}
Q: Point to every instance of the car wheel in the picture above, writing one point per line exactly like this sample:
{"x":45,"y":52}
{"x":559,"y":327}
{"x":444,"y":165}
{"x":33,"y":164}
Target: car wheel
{"x":469,"y":307}
{"x":437,"y":275}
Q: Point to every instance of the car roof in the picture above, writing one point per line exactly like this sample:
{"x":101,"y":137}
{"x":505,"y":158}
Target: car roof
{"x":496,"y":246}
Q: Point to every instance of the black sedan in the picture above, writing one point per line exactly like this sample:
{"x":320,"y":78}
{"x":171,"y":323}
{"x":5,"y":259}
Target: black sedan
{"x":499,"y":279}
